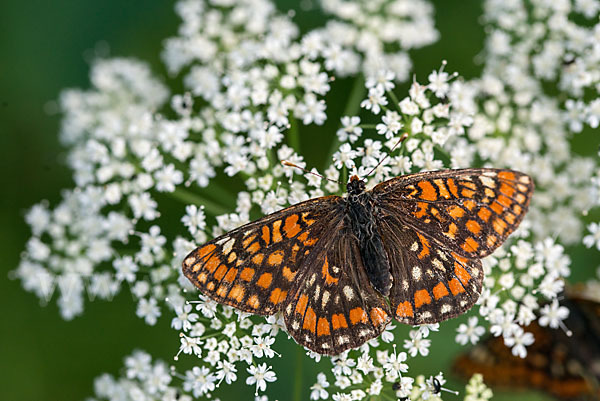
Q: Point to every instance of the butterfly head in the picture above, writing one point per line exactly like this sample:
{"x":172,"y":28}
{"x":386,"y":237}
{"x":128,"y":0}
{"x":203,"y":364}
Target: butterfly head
{"x":356,"y":186}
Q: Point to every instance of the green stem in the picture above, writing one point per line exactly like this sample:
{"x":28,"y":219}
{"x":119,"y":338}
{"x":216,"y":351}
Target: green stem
{"x":394,"y":99}
{"x":293,"y":137}
{"x":357,"y":94}
{"x":298,"y":381}
{"x":195,"y":199}
{"x":219,"y":192}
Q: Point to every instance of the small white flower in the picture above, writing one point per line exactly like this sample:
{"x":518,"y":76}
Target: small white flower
{"x":226,"y":371}
{"x":138,"y":365}
{"x":553,"y":314}
{"x":184,"y":318}
{"x":149,"y":310}
{"x":194,"y":219}
{"x":469,"y":333}
{"x":518,"y":340}
{"x":438,"y":83}
{"x":375,"y":100}
{"x":189,"y":345}
{"x":199,"y":380}
{"x":390,"y":126}
{"x":263,"y":346}
{"x":408,"y":107}
{"x":260,"y":375}
{"x":344,"y":156}
{"x":317,"y":390}
{"x":417,"y":344}
{"x":593,"y":238}
{"x":350,"y":130}
{"x":383,"y":79}
{"x":395,"y":365}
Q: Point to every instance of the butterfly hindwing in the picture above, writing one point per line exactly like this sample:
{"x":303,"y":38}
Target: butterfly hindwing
{"x":469,"y":211}
{"x":332,"y":307}
{"x":431,"y":282}
{"x":253,"y":267}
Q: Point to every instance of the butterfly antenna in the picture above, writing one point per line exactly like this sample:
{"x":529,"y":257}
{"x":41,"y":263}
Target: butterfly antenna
{"x":289,"y":164}
{"x":402,"y":139}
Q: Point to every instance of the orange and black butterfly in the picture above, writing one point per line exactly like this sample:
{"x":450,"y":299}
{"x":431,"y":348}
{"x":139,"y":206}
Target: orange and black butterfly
{"x":339,"y":268}
{"x":566,"y":366}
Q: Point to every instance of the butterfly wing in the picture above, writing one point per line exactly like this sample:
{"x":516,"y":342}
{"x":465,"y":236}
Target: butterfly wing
{"x":431,"y":282}
{"x":253,"y":267}
{"x":470,"y":211}
{"x":436,"y":226}
{"x":332,"y":307}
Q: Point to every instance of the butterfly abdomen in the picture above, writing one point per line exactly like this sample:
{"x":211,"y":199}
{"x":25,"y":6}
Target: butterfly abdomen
{"x":360,"y":213}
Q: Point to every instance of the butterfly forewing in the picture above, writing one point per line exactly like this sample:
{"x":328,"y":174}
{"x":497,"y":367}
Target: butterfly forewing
{"x":252,"y":267}
{"x":470,"y":211}
{"x":332,"y":307}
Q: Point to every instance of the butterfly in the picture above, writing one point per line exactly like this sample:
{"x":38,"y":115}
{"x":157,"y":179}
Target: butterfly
{"x":340,"y":268}
{"x":566,"y":366}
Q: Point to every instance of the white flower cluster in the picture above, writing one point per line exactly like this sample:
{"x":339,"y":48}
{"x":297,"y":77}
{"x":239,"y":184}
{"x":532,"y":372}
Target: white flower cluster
{"x":558,"y":42}
{"x":376,"y":368}
{"x":374,"y":35}
{"x":508,"y":302}
{"x":223,"y":339}
{"x":212,"y":156}
{"x":142,"y":380}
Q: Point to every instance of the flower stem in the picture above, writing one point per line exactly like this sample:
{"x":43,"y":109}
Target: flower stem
{"x":293,"y":137}
{"x":298,"y":381}
{"x":394,"y":99}
{"x":357,"y":94}
{"x":195,"y":199}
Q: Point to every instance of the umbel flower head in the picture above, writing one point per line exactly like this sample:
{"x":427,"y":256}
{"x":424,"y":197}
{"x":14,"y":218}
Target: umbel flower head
{"x":254,"y":90}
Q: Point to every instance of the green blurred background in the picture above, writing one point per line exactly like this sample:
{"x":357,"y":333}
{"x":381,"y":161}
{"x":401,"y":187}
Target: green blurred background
{"x":46,"y":47}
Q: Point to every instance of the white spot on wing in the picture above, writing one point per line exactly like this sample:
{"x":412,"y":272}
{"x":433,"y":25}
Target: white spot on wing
{"x":348,"y":292}
{"x":487,"y":181}
{"x":416,"y":273}
{"x":228,"y":245}
{"x":438,"y":265}
{"x":222,"y":241}
{"x":445,"y":308}
{"x":414,"y":247}
{"x":189,"y":261}
{"x":324,"y":299}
